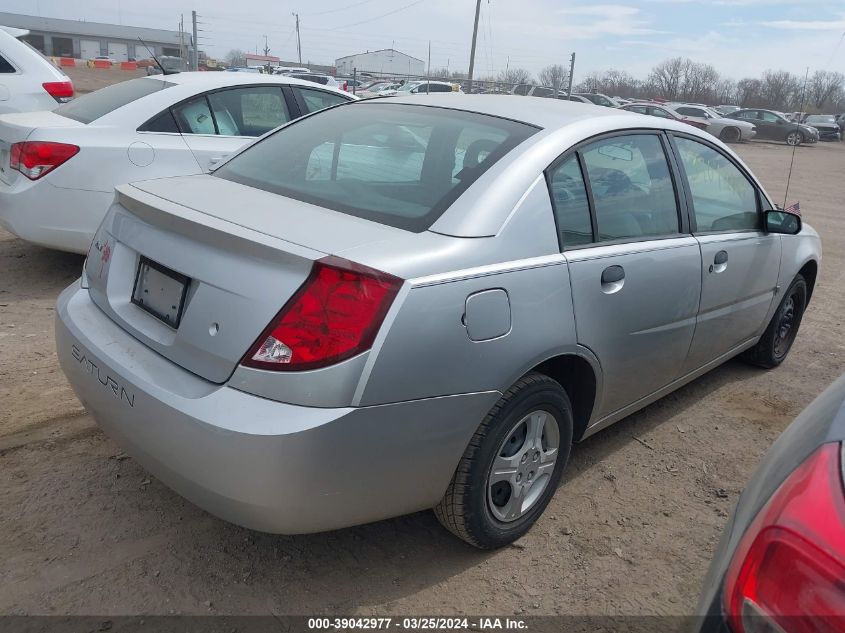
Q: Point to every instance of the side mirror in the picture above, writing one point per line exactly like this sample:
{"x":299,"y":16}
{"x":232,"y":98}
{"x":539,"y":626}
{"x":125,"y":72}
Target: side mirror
{"x":779,"y":221}
{"x":780,"y":121}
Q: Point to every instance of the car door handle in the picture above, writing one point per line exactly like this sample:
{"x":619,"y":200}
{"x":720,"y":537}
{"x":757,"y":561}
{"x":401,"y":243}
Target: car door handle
{"x":612,"y":279}
{"x":720,"y":262}
{"x":214,"y":160}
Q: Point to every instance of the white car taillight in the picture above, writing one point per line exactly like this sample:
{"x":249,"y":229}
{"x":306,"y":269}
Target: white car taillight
{"x":35,"y":159}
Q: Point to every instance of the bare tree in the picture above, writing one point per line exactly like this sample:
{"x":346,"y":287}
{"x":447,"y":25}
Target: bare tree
{"x":748,"y":92}
{"x":666,"y":77}
{"x":515,"y":76}
{"x":236,"y":58}
{"x":698,"y":81}
{"x":779,"y":89}
{"x":823,"y":86}
{"x":554,"y":77}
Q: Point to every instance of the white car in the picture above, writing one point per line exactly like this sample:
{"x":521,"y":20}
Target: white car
{"x":28,"y":80}
{"x":323,"y":80}
{"x":423,"y":87}
{"x":727,"y":130}
{"x":58,"y":170}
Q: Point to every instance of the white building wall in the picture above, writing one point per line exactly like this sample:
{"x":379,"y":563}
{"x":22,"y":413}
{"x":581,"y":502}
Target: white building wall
{"x":389,"y":62}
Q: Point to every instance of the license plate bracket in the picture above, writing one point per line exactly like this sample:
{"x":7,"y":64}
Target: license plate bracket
{"x":160,"y":291}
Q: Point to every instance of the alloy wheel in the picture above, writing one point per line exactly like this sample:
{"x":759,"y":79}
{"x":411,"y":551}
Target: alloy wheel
{"x":523,"y":466}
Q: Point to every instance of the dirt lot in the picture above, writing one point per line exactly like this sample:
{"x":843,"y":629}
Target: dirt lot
{"x":89,"y":79}
{"x":630,"y":531}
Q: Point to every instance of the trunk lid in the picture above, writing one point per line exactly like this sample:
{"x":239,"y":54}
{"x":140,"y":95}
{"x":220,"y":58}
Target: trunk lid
{"x":244,"y":255}
{"x":17,"y":127}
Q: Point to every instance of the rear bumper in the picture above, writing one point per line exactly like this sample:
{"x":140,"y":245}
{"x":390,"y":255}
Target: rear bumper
{"x":265,"y":465}
{"x":64,"y":219}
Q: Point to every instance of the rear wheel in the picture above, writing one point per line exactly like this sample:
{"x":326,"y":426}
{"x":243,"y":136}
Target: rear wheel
{"x":512,"y":466}
{"x":794,"y":138}
{"x":773,"y":347}
{"x":730,"y":135}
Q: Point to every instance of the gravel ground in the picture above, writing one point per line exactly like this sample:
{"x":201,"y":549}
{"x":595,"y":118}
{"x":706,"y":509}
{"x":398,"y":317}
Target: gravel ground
{"x":630,"y":531}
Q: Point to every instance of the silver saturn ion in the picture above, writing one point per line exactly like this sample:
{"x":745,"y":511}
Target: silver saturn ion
{"x":422,"y":302}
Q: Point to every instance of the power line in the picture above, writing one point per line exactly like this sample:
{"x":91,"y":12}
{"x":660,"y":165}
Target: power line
{"x":348,"y":6}
{"x":379,"y":17}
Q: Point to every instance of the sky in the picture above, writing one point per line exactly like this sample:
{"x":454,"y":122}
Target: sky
{"x":739,"y":37}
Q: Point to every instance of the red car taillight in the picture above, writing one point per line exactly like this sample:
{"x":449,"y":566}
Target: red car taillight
{"x":61,"y":91}
{"x":333,"y":316}
{"x":35,"y":159}
{"x":789,"y":568}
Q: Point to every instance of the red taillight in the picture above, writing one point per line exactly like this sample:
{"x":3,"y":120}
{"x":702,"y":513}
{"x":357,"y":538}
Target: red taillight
{"x":34,"y":159}
{"x":61,"y":91}
{"x":789,"y":568}
{"x":333,"y":316}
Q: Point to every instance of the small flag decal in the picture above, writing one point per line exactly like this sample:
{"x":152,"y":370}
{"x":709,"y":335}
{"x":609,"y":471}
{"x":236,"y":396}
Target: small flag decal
{"x":795,"y":208}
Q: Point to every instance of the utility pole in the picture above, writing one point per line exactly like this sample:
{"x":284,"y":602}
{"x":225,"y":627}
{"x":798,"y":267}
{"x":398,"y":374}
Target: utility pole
{"x":266,"y":48}
{"x":194,"y":58}
{"x":472,"y":50}
{"x":571,"y":72}
{"x":428,"y":73}
{"x":298,"y":41}
{"x":182,"y":36}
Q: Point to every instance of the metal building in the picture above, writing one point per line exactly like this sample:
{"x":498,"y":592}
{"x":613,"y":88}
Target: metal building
{"x":387,"y":60}
{"x":86,"y":40}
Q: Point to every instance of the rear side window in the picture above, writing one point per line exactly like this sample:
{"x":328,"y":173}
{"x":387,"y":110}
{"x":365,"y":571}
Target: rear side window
{"x":319,"y":99}
{"x":5,"y":66}
{"x":92,"y":106}
{"x":723,"y":198}
{"x":571,"y":206}
{"x":250,"y":111}
{"x":396,"y":164}
{"x":194,"y":116}
{"x":632,"y":187}
{"x":164,"y":122}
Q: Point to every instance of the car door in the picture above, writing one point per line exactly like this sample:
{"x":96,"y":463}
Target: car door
{"x":635,"y":271}
{"x":218,"y":123}
{"x":695,"y":114}
{"x":740,"y":262}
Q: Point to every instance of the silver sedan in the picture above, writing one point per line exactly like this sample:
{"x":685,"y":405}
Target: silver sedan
{"x":423,"y":303}
{"x":728,"y":130}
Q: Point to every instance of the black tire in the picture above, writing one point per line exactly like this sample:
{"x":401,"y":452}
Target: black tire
{"x":730,"y":135}
{"x":464,"y":509}
{"x":773,"y":347}
{"x":794,"y":138}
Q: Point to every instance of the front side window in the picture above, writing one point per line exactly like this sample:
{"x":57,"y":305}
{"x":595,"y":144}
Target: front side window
{"x":748,"y":114}
{"x":660,"y":112}
{"x":397,"y":164}
{"x":638,"y":109}
{"x":250,"y":111}
{"x":320,"y":99}
{"x":770,"y":117}
{"x":632,"y":187}
{"x":723,"y":198}
{"x":571,"y":207}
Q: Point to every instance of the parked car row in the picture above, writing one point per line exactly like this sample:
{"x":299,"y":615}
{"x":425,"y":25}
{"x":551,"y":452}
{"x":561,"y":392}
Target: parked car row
{"x":702,"y":117}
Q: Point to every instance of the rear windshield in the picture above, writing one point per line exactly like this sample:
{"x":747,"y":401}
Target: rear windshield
{"x":92,"y":106}
{"x":396,"y":164}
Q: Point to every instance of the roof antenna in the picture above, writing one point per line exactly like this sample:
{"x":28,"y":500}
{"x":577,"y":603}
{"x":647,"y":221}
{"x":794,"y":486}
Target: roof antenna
{"x":155,"y":59}
{"x":797,"y":131}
